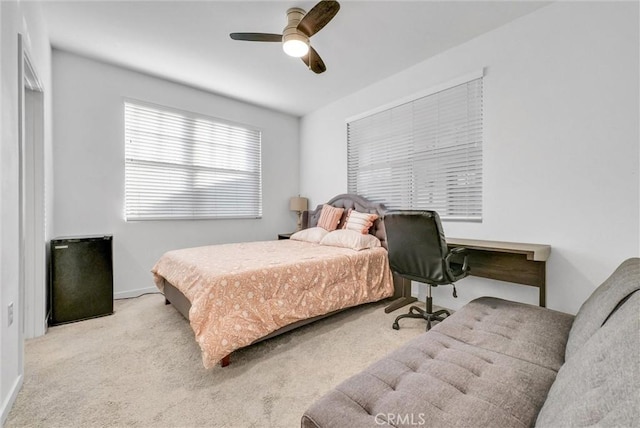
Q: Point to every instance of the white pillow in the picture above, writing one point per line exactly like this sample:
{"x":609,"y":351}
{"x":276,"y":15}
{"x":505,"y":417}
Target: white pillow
{"x":350,"y":239}
{"x":312,"y":234}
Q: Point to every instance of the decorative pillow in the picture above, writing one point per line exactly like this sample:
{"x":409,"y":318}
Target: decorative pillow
{"x":330,"y":217}
{"x":350,"y":239}
{"x":312,"y":234}
{"x":360,"y":222}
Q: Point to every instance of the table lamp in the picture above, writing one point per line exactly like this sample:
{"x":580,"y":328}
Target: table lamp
{"x":298,"y":204}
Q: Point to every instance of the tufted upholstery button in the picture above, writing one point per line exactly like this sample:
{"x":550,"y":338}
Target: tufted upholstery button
{"x":486,"y":360}
{"x":425,"y":352}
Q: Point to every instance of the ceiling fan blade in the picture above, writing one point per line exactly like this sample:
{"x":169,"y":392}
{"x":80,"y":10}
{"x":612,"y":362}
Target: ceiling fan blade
{"x":257,"y":37}
{"x":318,"y":17}
{"x":313,"y":61}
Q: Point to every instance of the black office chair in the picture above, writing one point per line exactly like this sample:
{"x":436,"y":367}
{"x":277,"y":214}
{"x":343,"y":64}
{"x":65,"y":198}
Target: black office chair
{"x":418,"y":251}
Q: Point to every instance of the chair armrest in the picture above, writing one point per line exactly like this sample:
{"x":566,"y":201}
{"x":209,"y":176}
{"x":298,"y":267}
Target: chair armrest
{"x":457,"y":252}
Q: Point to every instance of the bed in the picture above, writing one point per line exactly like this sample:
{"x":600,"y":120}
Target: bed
{"x":235,"y":295}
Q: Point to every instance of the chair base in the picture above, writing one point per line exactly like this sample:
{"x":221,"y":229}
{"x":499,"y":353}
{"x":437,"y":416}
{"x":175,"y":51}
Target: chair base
{"x":428,"y":315}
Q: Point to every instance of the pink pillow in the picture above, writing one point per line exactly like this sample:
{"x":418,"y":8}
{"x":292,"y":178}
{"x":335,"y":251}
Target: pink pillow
{"x":330,"y":217}
{"x":360,"y":222}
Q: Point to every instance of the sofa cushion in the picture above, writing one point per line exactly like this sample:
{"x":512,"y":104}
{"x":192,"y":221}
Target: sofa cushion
{"x":438,"y":380}
{"x":602,"y":302}
{"x":600,"y":384}
{"x":530,"y":333}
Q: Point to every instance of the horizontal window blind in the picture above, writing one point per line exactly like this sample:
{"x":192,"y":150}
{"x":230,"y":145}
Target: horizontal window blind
{"x":182,"y":166}
{"x":423,"y":154}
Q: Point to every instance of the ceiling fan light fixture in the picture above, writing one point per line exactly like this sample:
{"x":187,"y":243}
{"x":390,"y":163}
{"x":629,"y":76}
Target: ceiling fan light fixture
{"x":296,"y":46}
{"x":294,"y":42}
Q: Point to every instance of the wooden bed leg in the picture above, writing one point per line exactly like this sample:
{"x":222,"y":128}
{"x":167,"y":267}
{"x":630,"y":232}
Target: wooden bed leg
{"x":226,"y":361}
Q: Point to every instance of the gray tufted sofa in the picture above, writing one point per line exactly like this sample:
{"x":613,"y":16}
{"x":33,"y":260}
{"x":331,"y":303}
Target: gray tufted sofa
{"x":496,"y":363}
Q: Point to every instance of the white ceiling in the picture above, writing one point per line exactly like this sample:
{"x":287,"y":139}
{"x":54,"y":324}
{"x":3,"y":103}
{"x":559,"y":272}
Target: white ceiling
{"x":188,"y":42}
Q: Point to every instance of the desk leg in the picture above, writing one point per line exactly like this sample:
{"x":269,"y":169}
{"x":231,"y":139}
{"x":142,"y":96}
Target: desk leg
{"x":542,"y":276}
{"x":402,"y":292}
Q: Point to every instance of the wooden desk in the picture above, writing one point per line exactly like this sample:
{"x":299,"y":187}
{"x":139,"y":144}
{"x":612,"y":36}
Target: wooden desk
{"x":515,"y":262}
{"x":507,"y":261}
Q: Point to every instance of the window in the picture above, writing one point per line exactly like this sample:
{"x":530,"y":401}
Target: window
{"x":425,"y":153}
{"x":179,"y":165}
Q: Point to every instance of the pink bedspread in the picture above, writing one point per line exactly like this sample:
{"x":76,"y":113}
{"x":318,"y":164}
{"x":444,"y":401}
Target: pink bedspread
{"x":242,"y":292}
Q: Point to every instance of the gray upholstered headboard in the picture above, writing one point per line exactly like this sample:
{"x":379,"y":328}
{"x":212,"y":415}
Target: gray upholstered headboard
{"x":358,"y":203}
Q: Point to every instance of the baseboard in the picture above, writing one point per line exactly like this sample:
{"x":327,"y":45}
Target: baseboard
{"x":134,"y":293}
{"x":11,"y":398}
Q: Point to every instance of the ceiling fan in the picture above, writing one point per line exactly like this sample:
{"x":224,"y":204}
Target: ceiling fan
{"x":295,"y":36}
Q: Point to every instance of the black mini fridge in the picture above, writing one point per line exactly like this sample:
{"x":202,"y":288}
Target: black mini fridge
{"x":81,"y":282}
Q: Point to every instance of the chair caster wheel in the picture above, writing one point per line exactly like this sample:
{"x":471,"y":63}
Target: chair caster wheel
{"x":396,"y":326}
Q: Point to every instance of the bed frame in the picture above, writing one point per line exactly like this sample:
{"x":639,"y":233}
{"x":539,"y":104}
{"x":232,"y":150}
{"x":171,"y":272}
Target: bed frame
{"x":175,"y":297}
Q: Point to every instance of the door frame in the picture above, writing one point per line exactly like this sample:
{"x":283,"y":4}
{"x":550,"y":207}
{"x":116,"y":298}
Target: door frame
{"x":32,"y":243}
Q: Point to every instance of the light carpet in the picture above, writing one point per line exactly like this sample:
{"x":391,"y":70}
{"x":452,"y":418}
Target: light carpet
{"x":141,"y":367}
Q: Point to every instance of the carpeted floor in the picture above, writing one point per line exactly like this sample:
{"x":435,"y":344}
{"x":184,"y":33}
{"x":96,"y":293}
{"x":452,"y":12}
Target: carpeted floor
{"x":141,"y":367}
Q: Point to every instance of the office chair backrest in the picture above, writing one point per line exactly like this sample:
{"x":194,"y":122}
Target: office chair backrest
{"x":417,"y":246}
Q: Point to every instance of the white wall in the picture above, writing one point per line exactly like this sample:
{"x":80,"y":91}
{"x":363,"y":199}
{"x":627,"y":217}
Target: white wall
{"x":89,"y":166}
{"x":561,"y":143}
{"x":24,"y":18}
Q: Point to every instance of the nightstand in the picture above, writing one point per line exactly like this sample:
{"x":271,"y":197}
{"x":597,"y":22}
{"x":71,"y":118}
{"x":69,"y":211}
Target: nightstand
{"x":284,"y":235}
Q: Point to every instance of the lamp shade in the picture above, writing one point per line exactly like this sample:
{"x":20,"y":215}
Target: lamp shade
{"x":295,"y":48}
{"x":298,"y":204}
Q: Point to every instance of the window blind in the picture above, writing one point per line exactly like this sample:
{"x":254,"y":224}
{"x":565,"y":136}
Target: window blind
{"x":422,"y":154}
{"x":183,"y":166}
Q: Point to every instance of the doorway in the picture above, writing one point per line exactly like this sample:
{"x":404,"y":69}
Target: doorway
{"x":32,"y":251}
